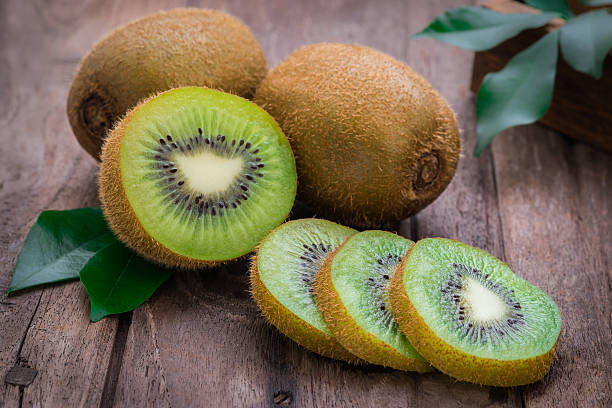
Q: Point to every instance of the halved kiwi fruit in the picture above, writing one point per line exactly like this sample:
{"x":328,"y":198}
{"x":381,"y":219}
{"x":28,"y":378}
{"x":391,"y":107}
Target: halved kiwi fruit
{"x":168,"y":49}
{"x":282,"y":276}
{"x":374,"y":142}
{"x":471,"y":317}
{"x":352,"y":292}
{"x":195,"y":176}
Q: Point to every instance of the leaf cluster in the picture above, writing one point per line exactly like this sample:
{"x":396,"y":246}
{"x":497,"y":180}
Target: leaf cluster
{"x":521,"y":92}
{"x":77,"y":244}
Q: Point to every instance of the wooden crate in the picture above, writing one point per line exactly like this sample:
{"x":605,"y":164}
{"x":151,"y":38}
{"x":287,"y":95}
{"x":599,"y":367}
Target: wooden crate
{"x":581,"y":107}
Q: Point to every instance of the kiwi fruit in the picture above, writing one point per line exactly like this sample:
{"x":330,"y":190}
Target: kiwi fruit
{"x":282,"y":275}
{"x":471,"y":317}
{"x":168,"y":49}
{"x":374,"y":142}
{"x":194,"y":176}
{"x":352,"y":292}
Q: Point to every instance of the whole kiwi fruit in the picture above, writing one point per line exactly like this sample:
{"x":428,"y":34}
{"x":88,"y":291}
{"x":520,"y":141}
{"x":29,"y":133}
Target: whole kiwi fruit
{"x":168,"y":49}
{"x":195,"y":177}
{"x":374,"y":142}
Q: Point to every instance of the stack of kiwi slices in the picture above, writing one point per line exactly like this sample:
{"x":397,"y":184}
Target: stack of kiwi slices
{"x":376,"y":297}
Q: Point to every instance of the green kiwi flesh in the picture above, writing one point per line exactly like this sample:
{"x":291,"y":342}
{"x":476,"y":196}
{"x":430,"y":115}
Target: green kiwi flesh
{"x":471,"y":317}
{"x":282,"y":276}
{"x":352,"y":292}
{"x":198,"y":174}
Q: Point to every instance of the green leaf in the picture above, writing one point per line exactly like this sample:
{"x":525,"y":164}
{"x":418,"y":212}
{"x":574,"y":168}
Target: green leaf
{"x":596,"y":2}
{"x":586,"y":41}
{"x":560,"y":6}
{"x":117,"y":280}
{"x":478,"y":29}
{"x":518,"y":94}
{"x":58,"y":245}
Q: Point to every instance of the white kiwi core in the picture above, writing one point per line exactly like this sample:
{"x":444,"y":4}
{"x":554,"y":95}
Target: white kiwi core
{"x":485,"y":305}
{"x":207,"y":172}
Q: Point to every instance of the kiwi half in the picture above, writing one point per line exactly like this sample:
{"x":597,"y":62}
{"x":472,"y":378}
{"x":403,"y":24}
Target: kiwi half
{"x":352,"y":292}
{"x":195,"y":176}
{"x":471,"y":317}
{"x":168,"y":49}
{"x":374,"y":142}
{"x":282,"y":276}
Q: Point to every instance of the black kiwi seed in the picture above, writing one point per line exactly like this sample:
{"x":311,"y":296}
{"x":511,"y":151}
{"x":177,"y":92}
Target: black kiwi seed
{"x":383,"y":268}
{"x":181,"y":195}
{"x":313,"y":257}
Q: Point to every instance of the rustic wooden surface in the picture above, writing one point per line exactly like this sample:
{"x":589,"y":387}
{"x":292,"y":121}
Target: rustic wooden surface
{"x":536,"y":199}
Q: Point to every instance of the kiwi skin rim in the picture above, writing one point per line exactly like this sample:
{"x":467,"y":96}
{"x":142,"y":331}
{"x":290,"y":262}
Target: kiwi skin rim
{"x":352,"y":336}
{"x":292,"y":325}
{"x":457,"y":364}
{"x":119,"y":213}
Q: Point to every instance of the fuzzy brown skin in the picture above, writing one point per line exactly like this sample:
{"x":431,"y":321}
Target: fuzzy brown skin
{"x":118,"y":212}
{"x":293,"y":326}
{"x":352,"y":336}
{"x":457,"y":364}
{"x":158,"y":52}
{"x":374,"y":142}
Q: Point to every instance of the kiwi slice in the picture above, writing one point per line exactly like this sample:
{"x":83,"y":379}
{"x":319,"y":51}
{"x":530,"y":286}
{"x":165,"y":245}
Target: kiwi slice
{"x":195,"y":176}
{"x":471,"y":317}
{"x":282,"y":276}
{"x":180,"y":47}
{"x":374,"y":142}
{"x":352,"y":292}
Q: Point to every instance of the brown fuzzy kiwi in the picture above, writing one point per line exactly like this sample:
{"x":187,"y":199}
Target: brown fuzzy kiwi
{"x":374,"y":142}
{"x":165,"y":50}
{"x":450,"y":359}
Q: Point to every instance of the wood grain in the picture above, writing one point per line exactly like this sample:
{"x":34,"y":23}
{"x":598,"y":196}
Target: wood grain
{"x":42,"y":168}
{"x":535,"y":199}
{"x":557,"y":230}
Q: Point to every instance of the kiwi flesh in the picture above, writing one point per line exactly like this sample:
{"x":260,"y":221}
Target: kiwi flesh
{"x":471,"y":317}
{"x":374,"y":142}
{"x":168,"y":49}
{"x":195,"y":176}
{"x":282,"y":275}
{"x":352,"y":292}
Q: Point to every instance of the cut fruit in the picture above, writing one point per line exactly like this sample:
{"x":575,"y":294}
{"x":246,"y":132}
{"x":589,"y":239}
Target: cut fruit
{"x":282,"y":276}
{"x":352,"y":292}
{"x":471,"y":317}
{"x":195,"y":176}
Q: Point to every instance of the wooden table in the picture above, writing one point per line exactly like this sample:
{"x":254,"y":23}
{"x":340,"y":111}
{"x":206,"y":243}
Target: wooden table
{"x":535,"y":199}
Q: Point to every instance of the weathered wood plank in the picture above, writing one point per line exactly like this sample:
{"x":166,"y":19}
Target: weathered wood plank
{"x":43,"y":167}
{"x":555,"y":200}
